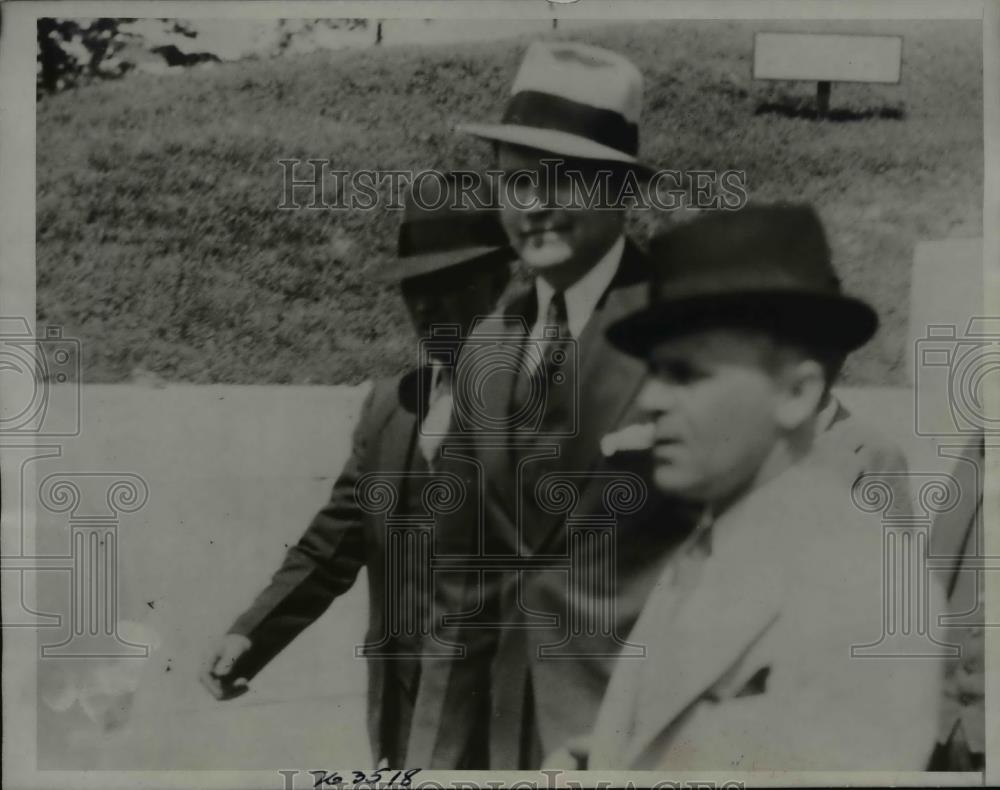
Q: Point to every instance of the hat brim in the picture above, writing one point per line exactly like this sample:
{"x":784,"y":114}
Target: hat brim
{"x":552,"y":141}
{"x":398,"y":269}
{"x":827,"y":321}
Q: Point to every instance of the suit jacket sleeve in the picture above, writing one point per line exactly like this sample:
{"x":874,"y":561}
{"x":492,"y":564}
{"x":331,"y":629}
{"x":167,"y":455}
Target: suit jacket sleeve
{"x":321,"y":566}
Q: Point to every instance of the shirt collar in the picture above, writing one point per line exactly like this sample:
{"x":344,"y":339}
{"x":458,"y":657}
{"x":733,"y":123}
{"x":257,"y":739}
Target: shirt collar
{"x":700,"y":538}
{"x":825,"y":416}
{"x":440,"y":376}
{"x":583,"y":295}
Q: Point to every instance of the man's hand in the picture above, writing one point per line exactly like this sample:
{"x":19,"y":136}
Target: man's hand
{"x":217,"y":671}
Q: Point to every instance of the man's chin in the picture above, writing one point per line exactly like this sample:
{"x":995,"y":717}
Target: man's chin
{"x":673,"y":482}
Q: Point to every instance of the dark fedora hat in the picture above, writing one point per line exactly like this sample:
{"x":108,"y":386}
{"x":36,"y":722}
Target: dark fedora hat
{"x":765,"y":267}
{"x":444,"y":225}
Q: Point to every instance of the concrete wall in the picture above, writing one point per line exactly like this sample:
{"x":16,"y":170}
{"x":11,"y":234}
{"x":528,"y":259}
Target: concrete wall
{"x":234,"y":474}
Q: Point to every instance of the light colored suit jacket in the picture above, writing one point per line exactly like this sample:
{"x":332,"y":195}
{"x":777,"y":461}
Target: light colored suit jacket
{"x":749,"y":664}
{"x":852,"y":448}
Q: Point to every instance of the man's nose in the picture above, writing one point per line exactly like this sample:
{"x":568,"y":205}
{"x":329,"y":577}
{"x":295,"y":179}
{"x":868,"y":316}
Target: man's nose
{"x":656,"y":397}
{"x":530,"y":198}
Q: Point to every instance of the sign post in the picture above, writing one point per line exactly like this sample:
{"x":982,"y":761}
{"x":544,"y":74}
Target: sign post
{"x":823,"y":97}
{"x":827,"y":58}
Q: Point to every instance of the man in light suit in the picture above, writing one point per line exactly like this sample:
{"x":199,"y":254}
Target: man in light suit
{"x":452,"y":265}
{"x":749,"y":631}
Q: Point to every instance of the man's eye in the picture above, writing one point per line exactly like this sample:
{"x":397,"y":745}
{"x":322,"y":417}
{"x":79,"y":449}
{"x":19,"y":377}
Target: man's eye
{"x":680,"y":372}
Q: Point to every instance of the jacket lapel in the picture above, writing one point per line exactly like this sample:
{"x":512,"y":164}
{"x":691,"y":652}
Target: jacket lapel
{"x":697,"y":652}
{"x":607,"y":384}
{"x":711,"y":627}
{"x":403,"y":452}
{"x":510,"y":327}
{"x":609,"y":380}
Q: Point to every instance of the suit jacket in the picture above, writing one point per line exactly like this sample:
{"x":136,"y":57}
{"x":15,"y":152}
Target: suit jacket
{"x":530,"y":677}
{"x":325,"y":562}
{"x":749,"y":664}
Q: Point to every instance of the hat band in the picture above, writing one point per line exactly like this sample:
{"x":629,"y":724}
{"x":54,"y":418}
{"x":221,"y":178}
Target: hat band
{"x":548,"y":111}
{"x":446,"y":235}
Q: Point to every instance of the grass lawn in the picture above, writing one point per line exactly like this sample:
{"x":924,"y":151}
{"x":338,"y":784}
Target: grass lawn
{"x":160,"y":246}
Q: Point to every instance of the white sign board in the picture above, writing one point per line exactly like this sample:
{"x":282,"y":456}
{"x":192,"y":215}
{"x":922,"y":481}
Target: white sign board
{"x":827,"y":58}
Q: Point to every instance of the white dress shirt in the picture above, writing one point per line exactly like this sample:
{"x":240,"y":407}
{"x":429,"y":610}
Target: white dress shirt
{"x":583,"y":295}
{"x":438,"y":419}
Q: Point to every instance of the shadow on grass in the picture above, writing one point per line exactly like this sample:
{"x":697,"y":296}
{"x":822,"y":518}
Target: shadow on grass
{"x":843,"y":115}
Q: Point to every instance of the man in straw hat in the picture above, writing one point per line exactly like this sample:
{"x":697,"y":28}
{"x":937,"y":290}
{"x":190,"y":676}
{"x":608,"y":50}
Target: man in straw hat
{"x":536,"y":660}
{"x":750,"y":628}
{"x":452,"y":264}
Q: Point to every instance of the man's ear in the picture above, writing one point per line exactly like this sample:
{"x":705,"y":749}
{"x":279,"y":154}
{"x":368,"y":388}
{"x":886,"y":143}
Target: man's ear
{"x":801,"y":387}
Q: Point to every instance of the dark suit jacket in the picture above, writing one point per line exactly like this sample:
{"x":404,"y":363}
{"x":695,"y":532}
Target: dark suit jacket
{"x":325,"y":563}
{"x":531,"y":677}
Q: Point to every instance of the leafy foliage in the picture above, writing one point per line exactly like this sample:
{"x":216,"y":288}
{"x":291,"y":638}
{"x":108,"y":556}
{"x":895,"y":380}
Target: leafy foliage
{"x":62,"y":65}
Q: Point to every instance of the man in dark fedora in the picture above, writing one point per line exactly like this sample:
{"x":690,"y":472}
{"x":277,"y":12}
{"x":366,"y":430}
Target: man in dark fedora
{"x":749,"y":630}
{"x":452,"y":264}
{"x":537,"y":648}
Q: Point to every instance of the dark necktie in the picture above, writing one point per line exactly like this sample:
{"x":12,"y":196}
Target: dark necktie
{"x":552,"y":348}
{"x":535,"y":377}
